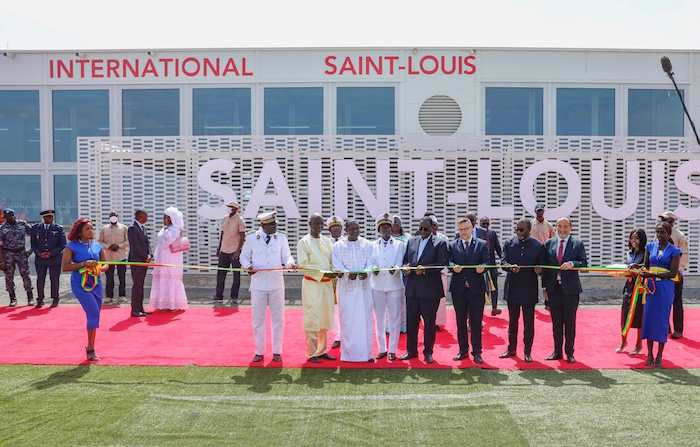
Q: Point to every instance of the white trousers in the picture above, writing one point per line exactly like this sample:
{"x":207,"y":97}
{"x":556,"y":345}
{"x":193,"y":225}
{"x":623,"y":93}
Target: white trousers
{"x":389,"y":304}
{"x":441,"y":316}
{"x":259,"y":302}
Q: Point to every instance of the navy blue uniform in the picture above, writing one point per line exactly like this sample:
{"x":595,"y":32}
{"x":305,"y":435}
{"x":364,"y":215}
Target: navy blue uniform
{"x":49,"y":239}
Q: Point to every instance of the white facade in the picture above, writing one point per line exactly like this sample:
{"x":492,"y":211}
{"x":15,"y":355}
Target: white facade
{"x":465,"y":76}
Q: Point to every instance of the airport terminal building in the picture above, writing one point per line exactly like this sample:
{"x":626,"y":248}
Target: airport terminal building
{"x":599,"y":135}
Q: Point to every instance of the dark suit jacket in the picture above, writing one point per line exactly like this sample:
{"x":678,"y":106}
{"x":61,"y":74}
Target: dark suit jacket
{"x":491,"y":237}
{"x":52,"y":240}
{"x":521,"y":287}
{"x":428,"y":285}
{"x":477,"y":253}
{"x":575,"y":252}
{"x":139,"y":248}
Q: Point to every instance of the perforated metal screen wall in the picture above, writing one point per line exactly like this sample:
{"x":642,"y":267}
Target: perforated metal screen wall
{"x":153,"y":173}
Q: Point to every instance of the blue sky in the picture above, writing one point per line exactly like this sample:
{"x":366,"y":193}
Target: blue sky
{"x":143,"y":24}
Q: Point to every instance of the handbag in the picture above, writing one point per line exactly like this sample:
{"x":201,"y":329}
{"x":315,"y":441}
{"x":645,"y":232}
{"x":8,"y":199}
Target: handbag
{"x":180,"y":244}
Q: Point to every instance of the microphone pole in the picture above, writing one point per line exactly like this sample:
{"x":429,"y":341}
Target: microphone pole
{"x":668,"y":68}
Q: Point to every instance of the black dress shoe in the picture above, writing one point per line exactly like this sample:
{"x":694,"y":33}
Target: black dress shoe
{"x":258,"y":358}
{"x":507,"y":354}
{"x":408,"y":356}
{"x":528,"y":358}
{"x":381,"y":355}
{"x":392,"y":356}
{"x":555,"y":356}
{"x":438,"y":328}
{"x":460,"y":356}
{"x":138,"y":314}
{"x":314,"y":360}
{"x":477,"y":359}
{"x":370,"y":361}
{"x":146,"y":312}
{"x":326,"y":356}
{"x":39,"y":304}
{"x":429,"y":358}
{"x":54,"y":303}
{"x":276,"y":358}
{"x":336,"y":344}
{"x":570,"y":359}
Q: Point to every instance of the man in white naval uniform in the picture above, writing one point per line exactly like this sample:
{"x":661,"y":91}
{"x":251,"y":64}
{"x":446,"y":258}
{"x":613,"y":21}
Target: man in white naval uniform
{"x":351,"y":255}
{"x":266,"y":248}
{"x":387,"y":285}
{"x":335,"y":228}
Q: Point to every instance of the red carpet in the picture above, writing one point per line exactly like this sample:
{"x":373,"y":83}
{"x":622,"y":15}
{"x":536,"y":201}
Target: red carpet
{"x":223,"y":337}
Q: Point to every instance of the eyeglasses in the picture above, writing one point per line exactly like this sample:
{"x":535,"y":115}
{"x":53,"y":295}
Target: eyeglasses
{"x":424,"y":229}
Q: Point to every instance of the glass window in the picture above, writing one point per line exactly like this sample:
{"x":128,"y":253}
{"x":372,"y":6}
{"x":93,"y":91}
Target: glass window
{"x":513,"y":111}
{"x":65,"y":193}
{"x":586,"y":111}
{"x":19,"y":126}
{"x":150,"y":112}
{"x":221,"y":111}
{"x":22,"y":193}
{"x":78,"y":113}
{"x":366,"y":111}
{"x":654,"y":113}
{"x":294,"y":111}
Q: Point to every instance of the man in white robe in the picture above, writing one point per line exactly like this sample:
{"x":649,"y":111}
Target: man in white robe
{"x":335,"y":228}
{"x":264,"y":249}
{"x":315,"y":253}
{"x":352,"y":255}
{"x":387,"y":285}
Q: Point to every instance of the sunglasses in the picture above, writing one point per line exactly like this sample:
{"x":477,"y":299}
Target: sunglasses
{"x":520,"y":230}
{"x":424,"y":229}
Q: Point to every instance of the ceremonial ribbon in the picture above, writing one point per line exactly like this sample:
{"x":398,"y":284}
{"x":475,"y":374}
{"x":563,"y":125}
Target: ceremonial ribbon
{"x":87,"y":273}
{"x":639,"y":292}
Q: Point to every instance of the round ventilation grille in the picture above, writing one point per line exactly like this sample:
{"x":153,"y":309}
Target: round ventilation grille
{"x":440,"y":115}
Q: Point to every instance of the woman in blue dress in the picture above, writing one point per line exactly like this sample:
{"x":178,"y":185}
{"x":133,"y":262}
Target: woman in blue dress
{"x":81,"y":257}
{"x":661,"y":262}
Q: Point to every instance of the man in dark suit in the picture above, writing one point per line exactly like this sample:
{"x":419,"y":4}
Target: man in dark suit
{"x":563,"y":286}
{"x":468,"y":288}
{"x":139,"y":251}
{"x":48,"y":241}
{"x":423,"y":288}
{"x":521,"y":290}
{"x":493,"y":247}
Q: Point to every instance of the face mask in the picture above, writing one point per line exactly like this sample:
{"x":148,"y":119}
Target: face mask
{"x":113,"y":219}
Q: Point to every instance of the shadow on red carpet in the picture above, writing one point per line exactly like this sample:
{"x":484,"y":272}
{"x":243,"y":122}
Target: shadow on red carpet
{"x":223,"y":337}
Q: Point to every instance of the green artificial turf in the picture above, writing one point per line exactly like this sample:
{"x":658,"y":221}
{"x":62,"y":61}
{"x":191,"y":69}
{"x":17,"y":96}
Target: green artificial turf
{"x":173,"y":406}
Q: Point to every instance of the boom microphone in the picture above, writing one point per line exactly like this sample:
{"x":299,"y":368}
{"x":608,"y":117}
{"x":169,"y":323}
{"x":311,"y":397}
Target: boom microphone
{"x":667,"y":68}
{"x":666,"y":65}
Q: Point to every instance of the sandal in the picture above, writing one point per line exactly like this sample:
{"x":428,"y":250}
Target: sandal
{"x":658,"y":363}
{"x":621,"y":347}
{"x":650,"y":361}
{"x":636,"y":350}
{"x":91,"y":356}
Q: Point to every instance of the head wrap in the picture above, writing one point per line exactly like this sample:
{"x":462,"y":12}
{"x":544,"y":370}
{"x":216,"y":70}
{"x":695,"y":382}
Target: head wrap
{"x":175,"y":217}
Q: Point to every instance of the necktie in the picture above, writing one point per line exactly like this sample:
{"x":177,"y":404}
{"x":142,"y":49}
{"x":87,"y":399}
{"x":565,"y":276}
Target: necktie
{"x":464,"y":244}
{"x":488,"y":243}
{"x":267,"y":239}
{"x":560,"y":253}
{"x":46,"y":227}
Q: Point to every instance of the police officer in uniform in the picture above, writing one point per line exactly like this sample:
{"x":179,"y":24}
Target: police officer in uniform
{"x":13,"y":252}
{"x":267,"y":248}
{"x":48,"y":241}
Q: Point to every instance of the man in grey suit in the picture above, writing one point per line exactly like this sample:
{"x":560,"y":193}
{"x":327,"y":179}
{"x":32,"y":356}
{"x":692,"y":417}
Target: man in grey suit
{"x":139,"y":251}
{"x":563,"y":286}
{"x":468,"y":288}
{"x":423,"y":288}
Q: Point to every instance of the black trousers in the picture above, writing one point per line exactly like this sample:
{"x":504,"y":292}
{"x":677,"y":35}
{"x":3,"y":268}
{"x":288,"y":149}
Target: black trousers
{"x":54,"y":272}
{"x":226,"y":260}
{"x":528,"y":311}
{"x":678,"y":306}
{"x":493,"y":294}
{"x":469,"y":305}
{"x":138,"y":277}
{"x":563,"y":309}
{"x":415,"y":309}
{"x":121,"y":273}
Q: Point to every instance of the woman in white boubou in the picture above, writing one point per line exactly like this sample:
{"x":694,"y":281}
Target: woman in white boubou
{"x":168,"y":290}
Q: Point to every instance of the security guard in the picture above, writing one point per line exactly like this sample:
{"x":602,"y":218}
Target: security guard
{"x":267,"y":248}
{"x":48,"y":241}
{"x":13,"y":252}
